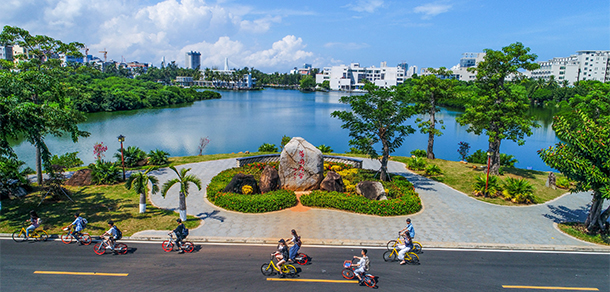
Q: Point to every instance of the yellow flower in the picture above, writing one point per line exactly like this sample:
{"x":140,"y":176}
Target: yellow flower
{"x":246,"y":190}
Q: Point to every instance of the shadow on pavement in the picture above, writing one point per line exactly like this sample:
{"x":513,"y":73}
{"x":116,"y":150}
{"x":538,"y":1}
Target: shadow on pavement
{"x":560,"y":214}
{"x":419,"y":182}
{"x":211,"y":215}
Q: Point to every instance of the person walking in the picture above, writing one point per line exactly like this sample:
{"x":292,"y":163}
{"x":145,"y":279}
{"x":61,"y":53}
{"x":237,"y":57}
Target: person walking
{"x":296,"y":241}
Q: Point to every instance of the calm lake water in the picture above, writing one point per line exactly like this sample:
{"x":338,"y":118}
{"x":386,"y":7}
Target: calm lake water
{"x":242,"y":121}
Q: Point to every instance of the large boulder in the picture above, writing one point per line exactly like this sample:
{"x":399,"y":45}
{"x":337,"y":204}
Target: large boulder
{"x":81,"y":177}
{"x":239,"y":181}
{"x":301,"y":166}
{"x":270,"y":179}
{"x":332,"y":183}
{"x":371,"y":190}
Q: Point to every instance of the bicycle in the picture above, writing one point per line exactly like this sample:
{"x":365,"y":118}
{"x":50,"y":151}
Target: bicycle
{"x":168,"y":245}
{"x":348,"y":273}
{"x":417,"y":247}
{"x":270,"y":268}
{"x":301,"y":259}
{"x":392,"y":255}
{"x":37,"y":234}
{"x":101,"y":247}
{"x":68,"y":237}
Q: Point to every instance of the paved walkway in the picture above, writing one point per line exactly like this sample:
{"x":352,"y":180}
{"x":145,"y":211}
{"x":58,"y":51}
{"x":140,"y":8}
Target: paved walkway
{"x":449,"y":217}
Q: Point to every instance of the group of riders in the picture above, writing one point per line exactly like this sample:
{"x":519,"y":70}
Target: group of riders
{"x":286,"y":254}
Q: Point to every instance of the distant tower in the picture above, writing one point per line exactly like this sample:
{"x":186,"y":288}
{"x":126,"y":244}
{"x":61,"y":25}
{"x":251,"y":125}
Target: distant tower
{"x":226,"y":64}
{"x":163,"y":62}
{"x":193,"y":60}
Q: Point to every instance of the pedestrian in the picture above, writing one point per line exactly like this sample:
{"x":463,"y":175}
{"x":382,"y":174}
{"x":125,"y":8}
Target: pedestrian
{"x":34,"y":223}
{"x":296,"y":241}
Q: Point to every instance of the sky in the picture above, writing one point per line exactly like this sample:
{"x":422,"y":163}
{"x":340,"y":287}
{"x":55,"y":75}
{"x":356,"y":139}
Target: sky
{"x":276,"y":36}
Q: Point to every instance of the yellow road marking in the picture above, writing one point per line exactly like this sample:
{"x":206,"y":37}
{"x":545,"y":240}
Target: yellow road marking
{"x":312,"y":280}
{"x":550,"y":288}
{"x":81,"y":273}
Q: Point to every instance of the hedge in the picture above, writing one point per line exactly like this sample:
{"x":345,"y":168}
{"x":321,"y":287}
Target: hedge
{"x":406,"y":204}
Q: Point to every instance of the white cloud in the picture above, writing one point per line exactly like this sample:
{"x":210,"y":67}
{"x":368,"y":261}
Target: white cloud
{"x":432,"y":9}
{"x":259,"y":25}
{"x":285,"y":51}
{"x":365,"y":5}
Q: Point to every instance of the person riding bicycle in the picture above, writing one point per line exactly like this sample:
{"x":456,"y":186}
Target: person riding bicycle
{"x":179,"y":232}
{"x":296,"y":240}
{"x":363,"y":265}
{"x":112,"y":233}
{"x":281,"y":255}
{"x":78,"y":226}
{"x":408,"y":233}
{"x":34,"y":223}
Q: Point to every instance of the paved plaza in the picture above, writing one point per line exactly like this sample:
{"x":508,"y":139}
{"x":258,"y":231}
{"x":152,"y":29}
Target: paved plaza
{"x":449,"y":218}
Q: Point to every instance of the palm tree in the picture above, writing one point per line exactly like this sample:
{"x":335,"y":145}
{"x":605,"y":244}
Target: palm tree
{"x":139,"y":182}
{"x":184,"y":181}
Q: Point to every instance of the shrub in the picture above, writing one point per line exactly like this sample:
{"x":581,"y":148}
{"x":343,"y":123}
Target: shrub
{"x":66,"y":160}
{"x":325,"y":149}
{"x":266,"y":147}
{"x":419,"y":153}
{"x":433,"y":170}
{"x":354,"y":150}
{"x":132,"y":156}
{"x":406,"y":204}
{"x":493,"y":187}
{"x":518,"y":191}
{"x":285,"y":140}
{"x":478,"y":156}
{"x":417,"y":163}
{"x":104,"y":173}
{"x":336,"y":166}
{"x":158,"y":157}
{"x":463,"y":150}
{"x":507,"y":160}
{"x":562,"y":182}
{"x":11,"y":177}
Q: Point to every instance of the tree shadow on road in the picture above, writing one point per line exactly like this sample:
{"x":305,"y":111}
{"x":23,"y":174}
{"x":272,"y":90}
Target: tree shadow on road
{"x":561,"y":214}
{"x":211,"y":215}
{"x":418,"y":181}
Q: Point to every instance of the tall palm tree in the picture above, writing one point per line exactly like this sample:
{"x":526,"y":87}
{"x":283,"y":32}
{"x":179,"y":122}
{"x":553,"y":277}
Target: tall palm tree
{"x":184,"y":180}
{"x":139,"y":182}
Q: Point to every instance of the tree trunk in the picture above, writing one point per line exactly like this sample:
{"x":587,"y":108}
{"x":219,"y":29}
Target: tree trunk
{"x":594,"y":221}
{"x":384,"y":162}
{"x":142,"y":203}
{"x":182,"y":206}
{"x":39,"y":167}
{"x":432,"y":128}
{"x":494,"y":167}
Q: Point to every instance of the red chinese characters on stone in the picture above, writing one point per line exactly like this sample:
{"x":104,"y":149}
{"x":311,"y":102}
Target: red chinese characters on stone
{"x":300,"y":172}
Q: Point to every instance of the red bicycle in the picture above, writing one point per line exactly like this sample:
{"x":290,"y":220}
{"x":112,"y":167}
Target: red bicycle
{"x":348,"y":273}
{"x":68,"y":237}
{"x":168,"y":245}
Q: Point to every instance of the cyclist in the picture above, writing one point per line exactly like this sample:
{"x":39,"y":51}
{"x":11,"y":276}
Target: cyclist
{"x":281,"y":255}
{"x":409,"y":228}
{"x":78,"y":226}
{"x":363,"y":265}
{"x":296,"y":240}
{"x":179,"y":231}
{"x":112,"y":234}
{"x":408,"y":233}
{"x":34,"y":223}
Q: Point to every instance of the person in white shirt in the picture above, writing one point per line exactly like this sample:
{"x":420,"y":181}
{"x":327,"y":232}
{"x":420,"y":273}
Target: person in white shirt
{"x":112,"y":234}
{"x":363,"y":265}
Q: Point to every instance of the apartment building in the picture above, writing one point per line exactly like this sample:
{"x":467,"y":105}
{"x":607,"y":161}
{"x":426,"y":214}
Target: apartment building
{"x":584,"y":65}
{"x":351,"y":78}
{"x":460,"y":71}
{"x":192,"y":60}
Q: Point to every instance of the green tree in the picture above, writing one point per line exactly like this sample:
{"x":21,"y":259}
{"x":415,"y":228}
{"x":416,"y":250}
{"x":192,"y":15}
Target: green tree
{"x":426,"y":93}
{"x":376,"y":116}
{"x":139,"y":182}
{"x":325,"y":84}
{"x":308,"y":83}
{"x":33,"y":99}
{"x":184,"y":180}
{"x":583,"y":155}
{"x":499,"y":109}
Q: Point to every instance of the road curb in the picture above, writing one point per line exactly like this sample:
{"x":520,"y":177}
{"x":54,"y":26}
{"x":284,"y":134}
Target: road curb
{"x":369,"y":243}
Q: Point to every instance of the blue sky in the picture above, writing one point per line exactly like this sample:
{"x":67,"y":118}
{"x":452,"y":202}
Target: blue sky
{"x":279,"y":35}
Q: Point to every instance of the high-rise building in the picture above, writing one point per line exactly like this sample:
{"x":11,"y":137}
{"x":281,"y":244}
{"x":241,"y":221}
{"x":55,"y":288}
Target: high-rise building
{"x":584,"y":65}
{"x":6,"y":52}
{"x":193,"y":60}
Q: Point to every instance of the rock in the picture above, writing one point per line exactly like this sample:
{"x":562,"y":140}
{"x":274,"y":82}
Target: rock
{"x":142,"y":162}
{"x":81,"y":177}
{"x":371,"y":190}
{"x":301,"y":166}
{"x":239,"y":181}
{"x":332,"y":183}
{"x":270,"y":179}
{"x":551,"y":181}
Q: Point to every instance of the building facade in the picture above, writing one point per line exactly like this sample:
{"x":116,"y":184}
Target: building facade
{"x":352,"y":77}
{"x":460,"y":71}
{"x":193,"y":60}
{"x":6,"y":52}
{"x":584,"y":65}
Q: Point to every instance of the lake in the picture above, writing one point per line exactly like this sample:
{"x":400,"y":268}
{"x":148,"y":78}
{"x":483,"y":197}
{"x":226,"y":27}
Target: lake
{"x":242,"y":121}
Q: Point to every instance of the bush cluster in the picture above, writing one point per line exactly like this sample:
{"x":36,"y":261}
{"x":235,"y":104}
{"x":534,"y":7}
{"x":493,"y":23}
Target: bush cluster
{"x":406,"y":204}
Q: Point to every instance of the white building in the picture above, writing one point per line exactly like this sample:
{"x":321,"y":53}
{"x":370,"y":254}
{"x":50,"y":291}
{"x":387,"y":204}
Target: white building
{"x":192,"y":60}
{"x":352,"y":77}
{"x":585,"y":65}
{"x":460,"y":71}
{"x":6,"y":52}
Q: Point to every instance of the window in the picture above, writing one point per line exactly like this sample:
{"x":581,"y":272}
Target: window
{"x":561,"y":72}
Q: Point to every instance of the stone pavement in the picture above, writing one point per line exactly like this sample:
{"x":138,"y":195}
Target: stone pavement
{"x":449,"y":218}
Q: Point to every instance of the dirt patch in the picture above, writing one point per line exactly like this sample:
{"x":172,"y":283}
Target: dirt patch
{"x":80,"y":178}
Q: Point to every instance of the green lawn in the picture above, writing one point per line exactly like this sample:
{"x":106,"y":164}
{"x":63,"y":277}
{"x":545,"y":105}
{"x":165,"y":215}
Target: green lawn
{"x":577,"y":229}
{"x":461,"y":176}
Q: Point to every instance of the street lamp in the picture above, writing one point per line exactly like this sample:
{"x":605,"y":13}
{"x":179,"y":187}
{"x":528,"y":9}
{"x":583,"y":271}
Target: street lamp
{"x":489,"y":153}
{"x":122,"y":139}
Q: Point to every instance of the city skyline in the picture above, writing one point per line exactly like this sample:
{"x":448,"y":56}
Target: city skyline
{"x":277,"y":36}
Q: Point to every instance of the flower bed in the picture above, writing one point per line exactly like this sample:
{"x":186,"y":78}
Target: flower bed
{"x":248,"y":203}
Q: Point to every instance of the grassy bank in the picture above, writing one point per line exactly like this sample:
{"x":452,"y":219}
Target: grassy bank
{"x":461,"y":176}
{"x":577,"y":229}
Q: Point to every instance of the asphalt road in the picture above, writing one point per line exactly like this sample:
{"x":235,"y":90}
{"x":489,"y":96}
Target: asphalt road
{"x":237,"y":268}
